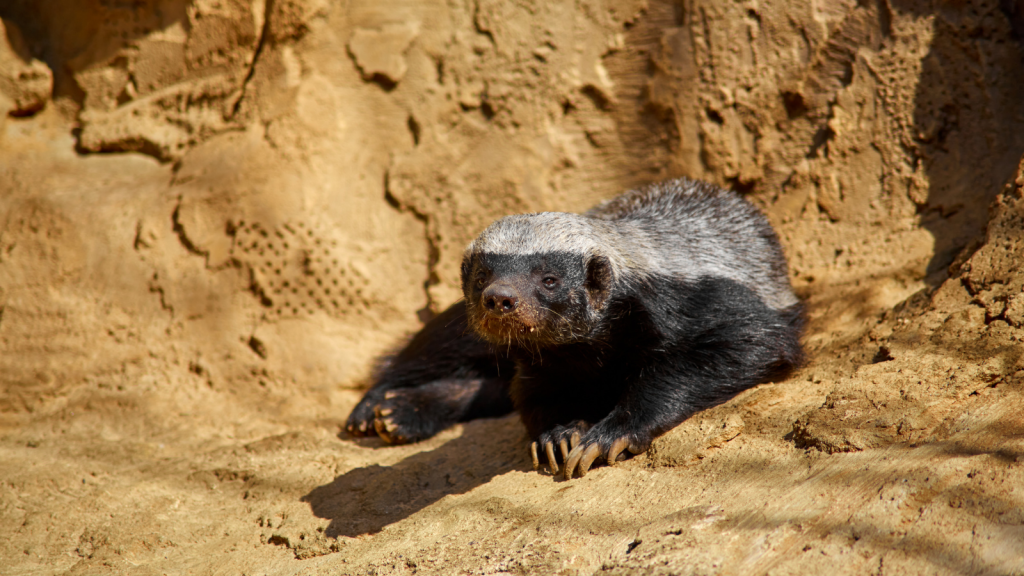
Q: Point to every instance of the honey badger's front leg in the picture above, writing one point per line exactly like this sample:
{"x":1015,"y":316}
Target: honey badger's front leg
{"x":445,"y":374}
{"x":406,"y":415}
{"x":651,"y":405}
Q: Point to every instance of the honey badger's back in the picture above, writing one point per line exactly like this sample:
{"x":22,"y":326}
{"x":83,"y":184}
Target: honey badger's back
{"x":685,"y":230}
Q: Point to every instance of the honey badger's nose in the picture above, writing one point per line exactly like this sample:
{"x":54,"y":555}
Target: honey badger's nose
{"x":500,"y":299}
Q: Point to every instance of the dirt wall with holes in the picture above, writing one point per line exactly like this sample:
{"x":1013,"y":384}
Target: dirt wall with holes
{"x":215,"y":215}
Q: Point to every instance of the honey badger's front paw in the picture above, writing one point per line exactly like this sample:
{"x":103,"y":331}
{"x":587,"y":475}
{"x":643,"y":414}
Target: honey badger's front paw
{"x":565,"y":437}
{"x":606,"y":439}
{"x":393,"y":415}
{"x":360,"y":421}
{"x":404,"y":416}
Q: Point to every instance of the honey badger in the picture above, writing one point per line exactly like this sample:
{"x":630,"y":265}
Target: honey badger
{"x":620,"y":323}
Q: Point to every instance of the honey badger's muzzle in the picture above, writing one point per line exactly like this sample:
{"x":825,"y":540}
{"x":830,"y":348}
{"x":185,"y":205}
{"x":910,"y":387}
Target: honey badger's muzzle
{"x":505,"y":311}
{"x":500,"y":299}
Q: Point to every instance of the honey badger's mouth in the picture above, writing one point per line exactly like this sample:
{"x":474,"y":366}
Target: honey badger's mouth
{"x":507,"y":329}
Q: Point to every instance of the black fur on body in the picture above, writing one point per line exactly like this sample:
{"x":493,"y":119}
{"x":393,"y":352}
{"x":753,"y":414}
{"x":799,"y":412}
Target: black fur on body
{"x":626,"y":320}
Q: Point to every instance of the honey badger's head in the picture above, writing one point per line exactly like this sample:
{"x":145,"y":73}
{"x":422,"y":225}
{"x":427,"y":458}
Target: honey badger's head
{"x":536,"y":280}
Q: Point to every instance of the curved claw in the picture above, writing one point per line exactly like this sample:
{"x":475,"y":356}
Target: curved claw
{"x":571,"y":462}
{"x":589,"y":455}
{"x":386,"y":428}
{"x":565,"y":450}
{"x":549,"y":448}
{"x":382,"y":430}
{"x":617,"y":447}
{"x":581,"y":457}
{"x":533,"y":456}
{"x":360,"y":426}
{"x":575,"y":440}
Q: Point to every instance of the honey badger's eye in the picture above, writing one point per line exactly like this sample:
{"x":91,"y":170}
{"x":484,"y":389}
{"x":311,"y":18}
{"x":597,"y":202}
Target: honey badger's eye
{"x":480,"y":281}
{"x":550,"y":281}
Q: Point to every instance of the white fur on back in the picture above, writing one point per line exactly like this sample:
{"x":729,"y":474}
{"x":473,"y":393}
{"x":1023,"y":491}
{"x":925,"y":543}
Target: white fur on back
{"x":679,"y":229}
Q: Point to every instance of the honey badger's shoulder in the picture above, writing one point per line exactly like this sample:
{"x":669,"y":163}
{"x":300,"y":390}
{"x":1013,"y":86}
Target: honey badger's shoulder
{"x":692,"y":230}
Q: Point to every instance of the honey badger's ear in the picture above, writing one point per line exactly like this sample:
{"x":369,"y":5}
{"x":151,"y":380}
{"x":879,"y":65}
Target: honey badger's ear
{"x":599,"y":281}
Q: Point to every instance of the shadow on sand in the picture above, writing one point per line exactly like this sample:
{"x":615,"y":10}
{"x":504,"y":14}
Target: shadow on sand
{"x":365,"y":500}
